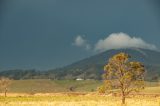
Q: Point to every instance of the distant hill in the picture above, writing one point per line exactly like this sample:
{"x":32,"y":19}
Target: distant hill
{"x":92,"y":67}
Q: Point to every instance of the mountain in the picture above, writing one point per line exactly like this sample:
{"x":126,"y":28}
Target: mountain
{"x":92,"y":67}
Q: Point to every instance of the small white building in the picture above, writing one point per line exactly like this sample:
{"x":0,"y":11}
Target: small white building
{"x":79,"y":79}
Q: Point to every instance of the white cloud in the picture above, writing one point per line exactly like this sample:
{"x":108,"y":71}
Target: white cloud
{"x":81,"y":42}
{"x":114,"y":41}
{"x":122,"y":40}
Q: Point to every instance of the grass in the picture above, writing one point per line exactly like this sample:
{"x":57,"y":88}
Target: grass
{"x":52,"y":86}
{"x":155,"y":90}
{"x":49,"y":86}
{"x":62,"y":99}
{"x":57,"y":93}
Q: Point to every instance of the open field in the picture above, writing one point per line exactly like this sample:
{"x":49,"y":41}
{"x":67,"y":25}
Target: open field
{"x":52,"y":86}
{"x":57,"y":93}
{"x":74,"y":99}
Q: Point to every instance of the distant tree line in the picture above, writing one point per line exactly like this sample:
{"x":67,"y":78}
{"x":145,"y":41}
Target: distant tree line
{"x":60,"y":74}
{"x":55,"y":75}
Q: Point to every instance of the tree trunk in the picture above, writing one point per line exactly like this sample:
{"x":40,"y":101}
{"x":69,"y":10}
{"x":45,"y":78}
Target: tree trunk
{"x":5,"y":92}
{"x":123,"y":99}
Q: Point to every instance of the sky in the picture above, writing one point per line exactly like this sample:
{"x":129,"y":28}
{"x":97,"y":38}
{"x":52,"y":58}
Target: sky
{"x":47,"y":34}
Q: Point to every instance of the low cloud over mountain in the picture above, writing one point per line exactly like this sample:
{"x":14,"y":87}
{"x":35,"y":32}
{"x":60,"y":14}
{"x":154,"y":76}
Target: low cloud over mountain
{"x":115,"y":41}
{"x":122,"y":40}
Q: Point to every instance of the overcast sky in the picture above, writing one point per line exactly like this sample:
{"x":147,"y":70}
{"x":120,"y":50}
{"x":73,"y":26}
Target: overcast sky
{"x":45,"y":34}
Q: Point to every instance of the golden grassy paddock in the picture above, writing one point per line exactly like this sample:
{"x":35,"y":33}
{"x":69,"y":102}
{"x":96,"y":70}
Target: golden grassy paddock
{"x":57,"y":93}
{"x":74,"y":99}
{"x":52,"y":86}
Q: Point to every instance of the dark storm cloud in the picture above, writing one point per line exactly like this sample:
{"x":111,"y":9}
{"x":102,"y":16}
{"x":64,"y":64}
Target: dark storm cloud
{"x":39,"y":33}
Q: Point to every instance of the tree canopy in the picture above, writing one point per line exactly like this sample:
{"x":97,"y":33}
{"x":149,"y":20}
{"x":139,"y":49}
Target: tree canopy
{"x":126,"y":75}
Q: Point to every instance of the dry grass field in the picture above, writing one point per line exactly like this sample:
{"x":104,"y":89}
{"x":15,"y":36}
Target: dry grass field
{"x":56,"y":93}
{"x":77,"y":99}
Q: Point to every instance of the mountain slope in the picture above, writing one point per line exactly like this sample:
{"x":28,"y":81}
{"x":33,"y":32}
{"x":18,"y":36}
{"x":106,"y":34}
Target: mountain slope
{"x":92,"y":67}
